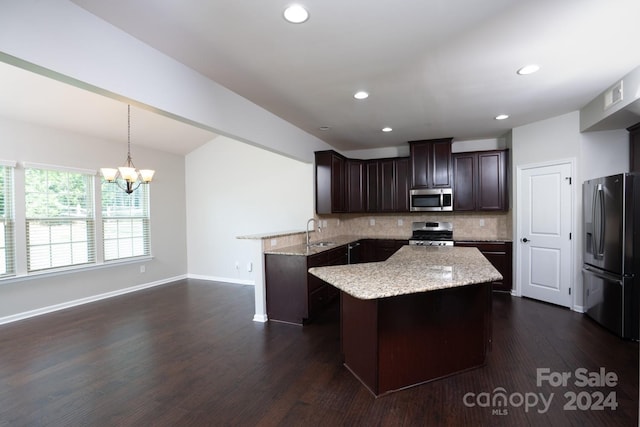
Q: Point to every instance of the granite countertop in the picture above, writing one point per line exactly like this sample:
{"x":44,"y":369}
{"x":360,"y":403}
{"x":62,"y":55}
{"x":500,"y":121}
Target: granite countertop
{"x":336,"y":241}
{"x":303,"y":250}
{"x":262,"y":236}
{"x":411,"y":269}
{"x":457,"y":238}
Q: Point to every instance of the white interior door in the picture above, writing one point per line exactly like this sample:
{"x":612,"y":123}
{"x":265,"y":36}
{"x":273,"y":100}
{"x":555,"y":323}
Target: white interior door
{"x":545,"y":224}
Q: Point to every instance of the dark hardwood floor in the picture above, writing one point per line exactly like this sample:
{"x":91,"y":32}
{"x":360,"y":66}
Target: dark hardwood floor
{"x":188,"y":354}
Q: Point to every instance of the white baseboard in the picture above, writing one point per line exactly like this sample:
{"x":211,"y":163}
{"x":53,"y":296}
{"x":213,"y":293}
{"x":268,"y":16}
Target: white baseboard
{"x":222,"y":279}
{"x":262,"y":318}
{"x":578,"y":308}
{"x":81,"y":301}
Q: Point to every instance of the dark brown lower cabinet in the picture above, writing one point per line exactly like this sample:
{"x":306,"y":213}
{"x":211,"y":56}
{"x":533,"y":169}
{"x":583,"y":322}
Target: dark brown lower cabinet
{"x":393,"y":343}
{"x":294,"y":295}
{"x":377,"y":250}
{"x":499,"y":254}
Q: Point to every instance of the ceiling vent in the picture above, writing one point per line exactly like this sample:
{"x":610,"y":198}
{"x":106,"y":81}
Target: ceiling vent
{"x":613,"y":95}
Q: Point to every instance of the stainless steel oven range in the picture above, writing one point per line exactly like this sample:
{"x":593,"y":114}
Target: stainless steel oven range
{"x":431,"y":234}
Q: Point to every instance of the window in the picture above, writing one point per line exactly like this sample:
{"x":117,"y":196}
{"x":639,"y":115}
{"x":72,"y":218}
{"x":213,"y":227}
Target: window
{"x":7,"y":221}
{"x":59,"y":218}
{"x":125,"y":222}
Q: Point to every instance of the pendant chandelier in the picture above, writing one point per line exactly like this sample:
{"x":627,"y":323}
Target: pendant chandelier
{"x":127,"y":177}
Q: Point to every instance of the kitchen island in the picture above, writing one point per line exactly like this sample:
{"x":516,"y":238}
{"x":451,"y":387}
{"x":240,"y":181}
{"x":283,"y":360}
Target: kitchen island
{"x":423,"y":314}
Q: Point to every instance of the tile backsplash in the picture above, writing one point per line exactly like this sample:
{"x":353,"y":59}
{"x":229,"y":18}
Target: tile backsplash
{"x":466,"y":226}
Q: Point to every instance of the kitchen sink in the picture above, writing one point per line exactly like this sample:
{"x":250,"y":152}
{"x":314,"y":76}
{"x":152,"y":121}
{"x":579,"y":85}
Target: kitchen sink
{"x":321,"y":244}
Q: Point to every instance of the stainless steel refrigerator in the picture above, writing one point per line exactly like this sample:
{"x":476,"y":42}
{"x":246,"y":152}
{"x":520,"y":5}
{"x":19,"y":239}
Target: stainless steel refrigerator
{"x":611,"y":267}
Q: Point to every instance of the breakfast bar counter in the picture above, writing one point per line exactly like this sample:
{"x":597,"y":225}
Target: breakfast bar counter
{"x":423,"y":314}
{"x":410,"y":270}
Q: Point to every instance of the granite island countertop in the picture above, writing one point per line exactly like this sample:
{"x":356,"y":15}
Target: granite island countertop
{"x":411,"y":269}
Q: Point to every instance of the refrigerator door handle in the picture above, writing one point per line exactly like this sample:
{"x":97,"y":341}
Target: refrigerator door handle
{"x":594,"y":219}
{"x":598,"y":222}
{"x":603,"y":275}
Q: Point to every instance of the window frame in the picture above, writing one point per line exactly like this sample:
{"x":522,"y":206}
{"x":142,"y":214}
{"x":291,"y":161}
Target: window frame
{"x":8,"y":218}
{"x":105,"y":219}
{"x":89,"y":222}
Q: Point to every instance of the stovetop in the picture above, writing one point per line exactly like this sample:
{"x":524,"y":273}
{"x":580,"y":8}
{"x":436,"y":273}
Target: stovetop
{"x":432,"y":234}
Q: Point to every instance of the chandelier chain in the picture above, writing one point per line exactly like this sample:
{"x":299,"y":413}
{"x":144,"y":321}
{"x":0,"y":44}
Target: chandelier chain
{"x":129,"y":160}
{"x":129,"y":130}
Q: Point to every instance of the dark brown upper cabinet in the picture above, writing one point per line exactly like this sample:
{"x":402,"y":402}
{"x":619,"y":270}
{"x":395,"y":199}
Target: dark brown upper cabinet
{"x":465,"y":172}
{"x":480,"y":181}
{"x":331,"y":188}
{"x":373,"y":193}
{"x":403,"y":184}
{"x":352,"y":185}
{"x":431,"y":163}
{"x":387,"y":185}
{"x":356,"y":185}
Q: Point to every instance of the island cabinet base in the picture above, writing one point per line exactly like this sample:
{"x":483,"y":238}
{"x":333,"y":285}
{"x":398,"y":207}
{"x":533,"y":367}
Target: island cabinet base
{"x":398,"y":342}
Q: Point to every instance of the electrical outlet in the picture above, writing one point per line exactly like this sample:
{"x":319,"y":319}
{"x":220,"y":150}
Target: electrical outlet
{"x":372,"y":222}
{"x":482,"y":223}
{"x":249,"y":266}
{"x":274,"y":242}
{"x":400,"y":223}
{"x":142,"y":269}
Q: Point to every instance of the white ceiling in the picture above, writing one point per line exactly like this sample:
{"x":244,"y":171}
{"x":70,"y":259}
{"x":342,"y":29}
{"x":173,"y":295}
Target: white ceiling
{"x":434,"y":68}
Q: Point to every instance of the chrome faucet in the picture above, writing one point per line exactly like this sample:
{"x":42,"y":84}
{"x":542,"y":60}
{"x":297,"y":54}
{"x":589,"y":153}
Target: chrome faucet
{"x":310,"y":220}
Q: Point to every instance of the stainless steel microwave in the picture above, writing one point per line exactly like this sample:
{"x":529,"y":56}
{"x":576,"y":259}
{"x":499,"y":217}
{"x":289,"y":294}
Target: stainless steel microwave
{"x":431,"y":199}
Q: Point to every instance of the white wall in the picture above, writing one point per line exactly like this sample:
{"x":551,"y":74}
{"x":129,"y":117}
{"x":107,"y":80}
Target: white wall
{"x":25,"y":142}
{"x":404,"y":150}
{"x":235,"y":189}
{"x":605,"y":153}
{"x":551,"y":139}
{"x":378,"y":153}
{"x":478,"y":145}
{"x":595,"y":154}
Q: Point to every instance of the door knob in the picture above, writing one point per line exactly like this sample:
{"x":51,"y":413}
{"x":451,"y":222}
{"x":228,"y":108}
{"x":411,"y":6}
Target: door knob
{"x":525,"y":240}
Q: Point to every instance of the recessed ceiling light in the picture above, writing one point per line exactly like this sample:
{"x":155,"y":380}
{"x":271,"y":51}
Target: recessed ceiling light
{"x":502,"y":116}
{"x":361,"y":95}
{"x":528,"y":69}
{"x":324,"y":128}
{"x":387,"y":129}
{"x":296,"y":14}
